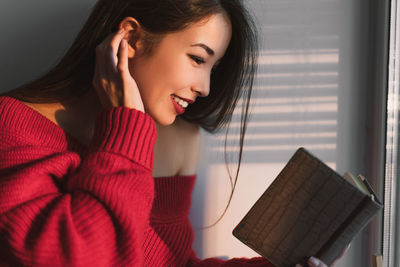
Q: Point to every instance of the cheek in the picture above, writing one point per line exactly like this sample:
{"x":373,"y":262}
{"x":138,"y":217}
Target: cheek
{"x":162,"y":75}
{"x":180,"y":74}
{"x":144,"y":74}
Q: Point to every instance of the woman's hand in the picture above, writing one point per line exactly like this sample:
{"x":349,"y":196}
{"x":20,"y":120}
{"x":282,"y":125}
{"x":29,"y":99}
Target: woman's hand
{"x":112,"y":80}
{"x":314,"y":262}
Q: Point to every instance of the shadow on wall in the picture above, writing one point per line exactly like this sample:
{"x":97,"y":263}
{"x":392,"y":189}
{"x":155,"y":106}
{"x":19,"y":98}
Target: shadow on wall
{"x":295,"y":100}
{"x":36,"y":35}
{"x":295,"y":104}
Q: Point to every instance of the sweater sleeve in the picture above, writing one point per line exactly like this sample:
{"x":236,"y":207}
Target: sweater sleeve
{"x":194,"y":261}
{"x":98,"y":216}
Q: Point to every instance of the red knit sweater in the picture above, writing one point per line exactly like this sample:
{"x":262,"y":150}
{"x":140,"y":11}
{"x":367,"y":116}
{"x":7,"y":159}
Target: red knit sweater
{"x":62,"y":204}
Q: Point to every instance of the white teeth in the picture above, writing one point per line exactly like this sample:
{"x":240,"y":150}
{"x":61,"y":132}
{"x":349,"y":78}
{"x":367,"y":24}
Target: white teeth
{"x":180,"y":101}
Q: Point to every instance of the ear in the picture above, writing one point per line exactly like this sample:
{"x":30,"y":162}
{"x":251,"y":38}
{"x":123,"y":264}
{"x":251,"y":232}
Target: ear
{"x":133,"y":35}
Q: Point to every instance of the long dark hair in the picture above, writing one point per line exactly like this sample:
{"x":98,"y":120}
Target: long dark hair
{"x":230,"y":81}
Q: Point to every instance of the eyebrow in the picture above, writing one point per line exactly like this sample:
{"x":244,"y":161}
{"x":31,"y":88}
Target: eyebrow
{"x":208,"y":50}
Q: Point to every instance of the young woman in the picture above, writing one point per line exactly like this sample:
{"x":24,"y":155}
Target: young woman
{"x":79,"y":151}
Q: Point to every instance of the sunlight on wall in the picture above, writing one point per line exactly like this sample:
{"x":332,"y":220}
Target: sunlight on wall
{"x":288,"y":108}
{"x":295,"y":103}
{"x":277,"y":57}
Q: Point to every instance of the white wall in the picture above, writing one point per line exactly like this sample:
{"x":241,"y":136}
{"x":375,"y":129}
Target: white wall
{"x":309,"y":92}
{"x":35,"y":34}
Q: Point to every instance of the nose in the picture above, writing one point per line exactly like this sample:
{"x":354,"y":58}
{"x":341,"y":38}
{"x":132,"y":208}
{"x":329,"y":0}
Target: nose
{"x":202,"y":86}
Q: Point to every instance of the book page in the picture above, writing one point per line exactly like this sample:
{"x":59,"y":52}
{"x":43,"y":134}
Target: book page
{"x":359,"y":183}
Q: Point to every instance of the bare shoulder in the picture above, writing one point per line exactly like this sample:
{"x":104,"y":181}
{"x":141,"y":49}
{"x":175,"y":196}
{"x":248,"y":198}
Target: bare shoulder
{"x":176,"y":149}
{"x":189,"y":134}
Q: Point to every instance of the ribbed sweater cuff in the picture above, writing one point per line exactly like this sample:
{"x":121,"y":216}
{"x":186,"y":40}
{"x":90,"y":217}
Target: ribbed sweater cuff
{"x":125,"y":131}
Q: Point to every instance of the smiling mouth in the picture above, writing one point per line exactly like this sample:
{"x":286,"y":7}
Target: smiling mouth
{"x":180,"y":101}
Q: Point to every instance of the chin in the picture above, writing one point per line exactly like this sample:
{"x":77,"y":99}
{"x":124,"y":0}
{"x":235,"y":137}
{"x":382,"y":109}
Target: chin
{"x":164,"y":121}
{"x":161,"y":116}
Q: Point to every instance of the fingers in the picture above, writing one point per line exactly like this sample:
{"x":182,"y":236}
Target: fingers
{"x":314,"y":262}
{"x":123,"y":57}
{"x":116,"y":39}
{"x":115,"y":46}
{"x":112,"y":80}
{"x":106,"y":52}
{"x":105,"y":69}
{"x":345,"y":250}
{"x":341,"y":255}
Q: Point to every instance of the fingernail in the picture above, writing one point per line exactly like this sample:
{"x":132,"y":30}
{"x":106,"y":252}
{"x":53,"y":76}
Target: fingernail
{"x":313,"y":261}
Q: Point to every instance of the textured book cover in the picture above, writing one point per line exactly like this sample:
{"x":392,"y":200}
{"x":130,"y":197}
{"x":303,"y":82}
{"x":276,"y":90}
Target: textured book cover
{"x":308,"y":210}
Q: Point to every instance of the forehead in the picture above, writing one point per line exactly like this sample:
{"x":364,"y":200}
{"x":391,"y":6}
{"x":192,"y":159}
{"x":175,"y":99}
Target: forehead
{"x":214,"y":31}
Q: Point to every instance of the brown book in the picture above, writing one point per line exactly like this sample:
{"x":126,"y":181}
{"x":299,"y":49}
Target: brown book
{"x":308,"y":210}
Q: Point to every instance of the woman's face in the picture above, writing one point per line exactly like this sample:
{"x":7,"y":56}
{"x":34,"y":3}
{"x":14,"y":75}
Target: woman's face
{"x":179,"y":68}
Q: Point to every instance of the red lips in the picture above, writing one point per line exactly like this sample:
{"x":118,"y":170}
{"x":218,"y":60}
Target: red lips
{"x":179,"y":110}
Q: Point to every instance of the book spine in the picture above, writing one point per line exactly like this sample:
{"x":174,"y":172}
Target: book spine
{"x":357,"y":220}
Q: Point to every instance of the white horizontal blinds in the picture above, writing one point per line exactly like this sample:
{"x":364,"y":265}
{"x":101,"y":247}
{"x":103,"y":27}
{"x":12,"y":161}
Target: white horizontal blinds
{"x":391,"y":241}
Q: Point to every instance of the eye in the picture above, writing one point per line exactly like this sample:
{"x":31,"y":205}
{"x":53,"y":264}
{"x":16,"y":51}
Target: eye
{"x":197,"y":59}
